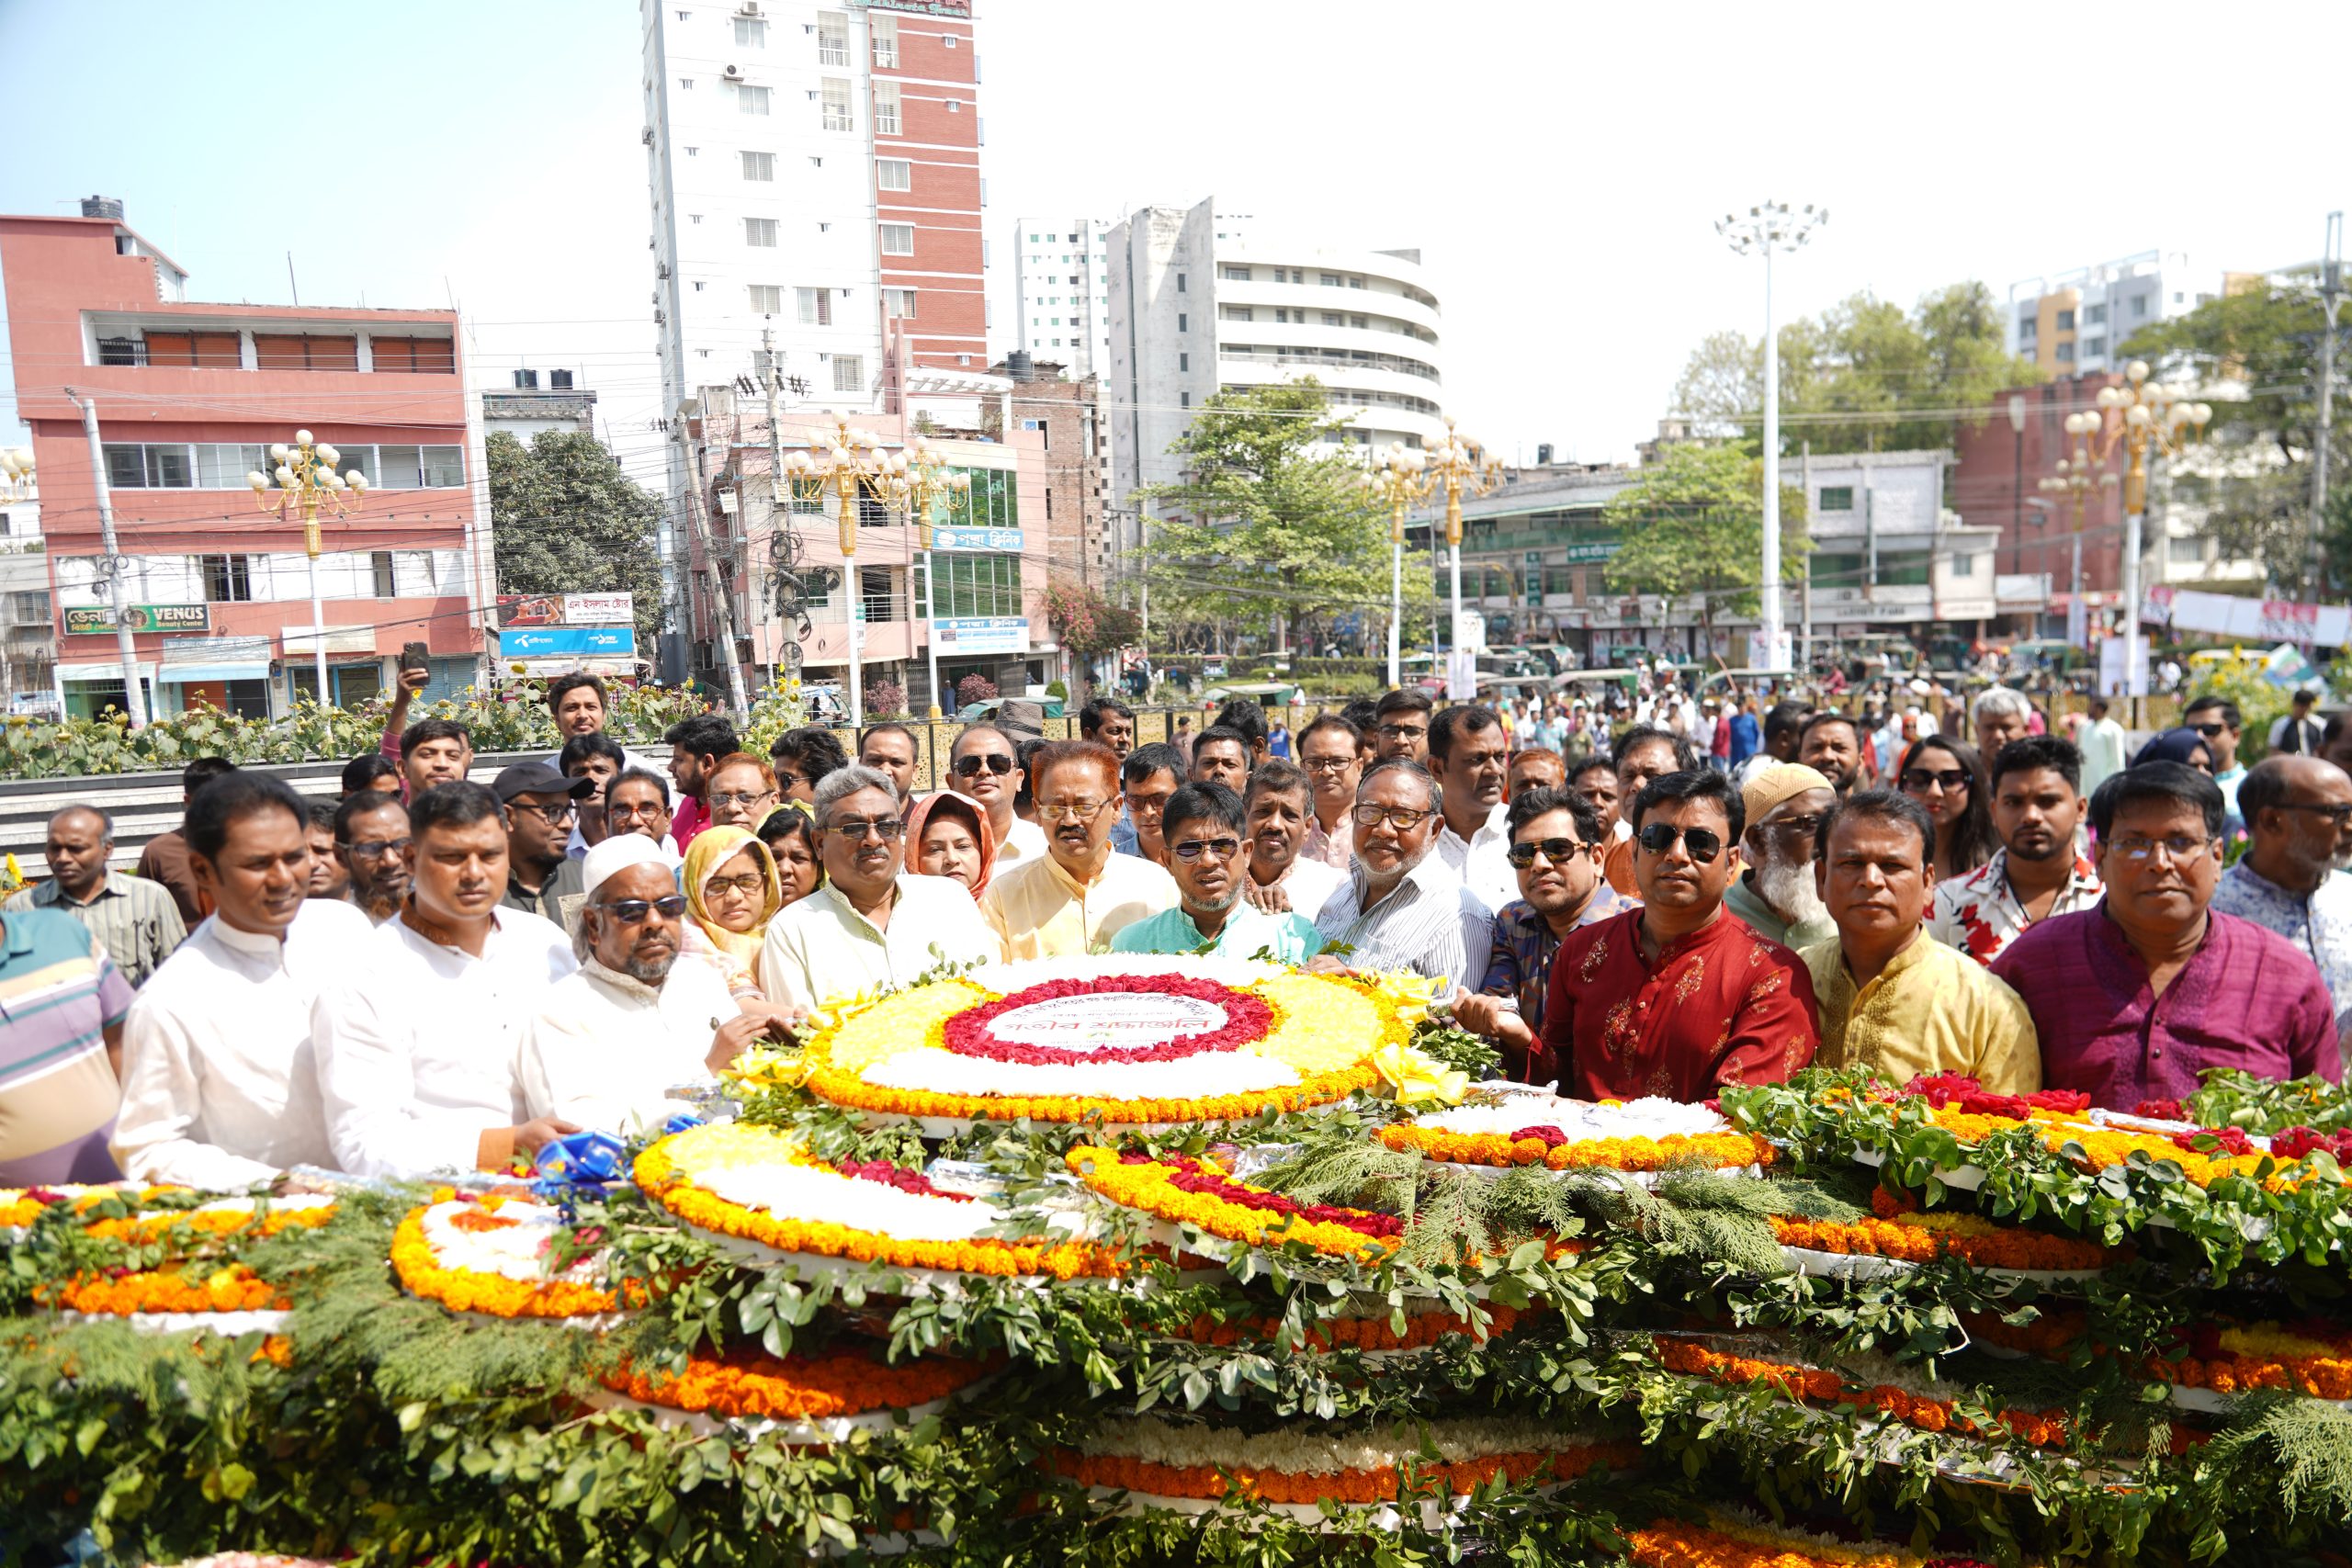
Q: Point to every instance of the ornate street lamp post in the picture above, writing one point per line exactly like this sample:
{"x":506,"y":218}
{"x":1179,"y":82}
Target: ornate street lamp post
{"x":849,"y":463}
{"x":2152,"y":419}
{"x":306,"y":481}
{"x":920,"y":481}
{"x":1399,"y":478}
{"x":1454,"y":464}
{"x":2074,"y":478}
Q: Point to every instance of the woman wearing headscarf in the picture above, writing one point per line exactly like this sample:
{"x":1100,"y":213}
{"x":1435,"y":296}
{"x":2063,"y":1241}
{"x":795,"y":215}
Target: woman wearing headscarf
{"x":948,"y":836}
{"x":2181,"y":745}
{"x":732,"y":891}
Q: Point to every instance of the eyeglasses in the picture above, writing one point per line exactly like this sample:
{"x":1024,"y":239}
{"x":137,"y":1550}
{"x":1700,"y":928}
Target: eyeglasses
{"x":2209,"y":731}
{"x":1404,"y":819}
{"x":740,"y":796}
{"x":2178,"y":848}
{"x":749,"y":884}
{"x":1788,"y":830}
{"x":858,"y":830}
{"x":997,"y":762}
{"x":633,"y":911}
{"x":1952,"y":779}
{"x":377,"y":849}
{"x":563,"y":813}
{"x":1402,"y":731}
{"x":1705,"y":843}
{"x":785,"y":778}
{"x":1216,"y":849}
{"x":1327,"y":764}
{"x":2339,"y":815}
{"x":649,"y":811}
{"x":1071,"y":810}
{"x":1557,"y":850}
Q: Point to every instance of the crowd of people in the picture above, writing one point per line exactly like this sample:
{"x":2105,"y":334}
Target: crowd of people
{"x":431,"y":974}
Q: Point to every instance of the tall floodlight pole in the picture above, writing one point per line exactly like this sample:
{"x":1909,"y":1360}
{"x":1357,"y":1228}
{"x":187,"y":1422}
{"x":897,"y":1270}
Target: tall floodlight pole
{"x":1772,"y":226}
{"x":1398,"y":478}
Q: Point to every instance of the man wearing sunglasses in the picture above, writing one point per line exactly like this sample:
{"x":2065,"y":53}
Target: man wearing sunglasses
{"x":2218,"y":720}
{"x":871,"y":924}
{"x":1208,"y":851}
{"x":640,"y":1017}
{"x":1678,"y":997}
{"x":984,"y":767}
{"x":416,"y":1047}
{"x":2299,"y":833}
{"x":1556,"y":852}
{"x":1076,"y":896}
{"x":1775,"y":894}
{"x":541,"y":808}
{"x":1400,"y":907}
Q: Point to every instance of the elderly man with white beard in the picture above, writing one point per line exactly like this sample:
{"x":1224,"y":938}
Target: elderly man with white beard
{"x":1776,"y":893}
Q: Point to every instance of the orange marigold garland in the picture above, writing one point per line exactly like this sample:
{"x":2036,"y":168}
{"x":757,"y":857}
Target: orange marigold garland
{"x":423,"y":1273}
{"x":1907,"y":1234}
{"x":1182,"y":1190}
{"x":1816,"y":1385}
{"x":1727,"y":1541}
{"x":1371,"y":1335}
{"x":747,"y":1384}
{"x":205,"y":1288}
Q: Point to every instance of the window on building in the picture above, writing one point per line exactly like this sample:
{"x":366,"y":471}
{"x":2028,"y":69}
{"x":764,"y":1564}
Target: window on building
{"x":2094,"y":348}
{"x":976,"y":583}
{"x":894,"y":173}
{"x":885,"y":33}
{"x":224,"y":466}
{"x":2065,"y":320}
{"x":2094,"y":315}
{"x":1836,"y":498}
{"x":1180,"y":283}
{"x":1330,"y":280}
{"x":767,"y":298}
{"x":414,"y":355}
{"x":1183,"y":362}
{"x":759,"y":165}
{"x":1183,"y":322}
{"x":1355,"y":283}
{"x":1357,"y":322}
{"x":301,"y":351}
{"x":899,"y":302}
{"x":203,"y":351}
{"x":836,"y":95}
{"x":1333,"y":319}
{"x":2139,"y":307}
{"x":751,"y":32}
{"x":849,"y":373}
{"x":379,"y":566}
{"x":421,"y":468}
{"x":2185,"y":552}
{"x":685,"y":83}
{"x":2028,"y":327}
{"x":759,"y":231}
{"x":2066,"y":353}
{"x":228,"y":580}
{"x":1234,"y":274}
{"x":752,"y":100}
{"x":815,"y":306}
{"x":897,"y":239}
{"x":832,"y":37}
{"x":1963,"y":566}
{"x":1237,"y":313}
{"x":886,"y":109}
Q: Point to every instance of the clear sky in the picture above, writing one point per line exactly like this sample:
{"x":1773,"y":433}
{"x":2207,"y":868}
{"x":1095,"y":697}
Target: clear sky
{"x":1559,"y":166}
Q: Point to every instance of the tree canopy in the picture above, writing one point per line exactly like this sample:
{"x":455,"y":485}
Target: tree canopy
{"x":566,"y":520}
{"x":1266,"y":521}
{"x":1864,"y":376}
{"x":1694,"y":523}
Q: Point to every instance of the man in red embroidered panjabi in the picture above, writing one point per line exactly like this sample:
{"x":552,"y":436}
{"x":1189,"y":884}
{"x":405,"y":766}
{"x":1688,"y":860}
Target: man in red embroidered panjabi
{"x":1678,"y":997}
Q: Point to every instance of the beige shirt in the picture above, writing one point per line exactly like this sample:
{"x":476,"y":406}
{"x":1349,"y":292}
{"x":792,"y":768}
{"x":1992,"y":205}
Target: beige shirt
{"x":1039,"y":910}
{"x":1931,"y":1010}
{"x":820,"y":949}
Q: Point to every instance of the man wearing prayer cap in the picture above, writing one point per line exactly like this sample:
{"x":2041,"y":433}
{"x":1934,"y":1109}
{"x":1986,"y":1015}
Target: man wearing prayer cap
{"x":642,"y":1016}
{"x":1776,"y":893}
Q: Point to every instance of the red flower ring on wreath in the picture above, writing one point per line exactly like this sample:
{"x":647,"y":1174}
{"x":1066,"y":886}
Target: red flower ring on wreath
{"x":1247,"y":1018}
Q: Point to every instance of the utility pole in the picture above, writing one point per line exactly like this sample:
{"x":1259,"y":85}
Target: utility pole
{"x":2331,"y":295}
{"x":134,"y":701}
{"x":723,"y":602}
{"x":779,"y":506}
{"x":1803,"y":661}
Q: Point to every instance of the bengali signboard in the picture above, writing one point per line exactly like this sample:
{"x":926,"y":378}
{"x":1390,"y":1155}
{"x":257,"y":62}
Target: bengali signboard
{"x":559,"y":642}
{"x":995,"y":633}
{"x":2247,"y":620}
{"x":567,"y":609}
{"x":87,"y":620}
{"x":975,"y":538}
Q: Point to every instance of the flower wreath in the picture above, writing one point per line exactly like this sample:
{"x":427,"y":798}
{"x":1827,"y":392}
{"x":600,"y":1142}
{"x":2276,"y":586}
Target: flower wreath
{"x":1182,"y":1189}
{"x":1817,"y":1385}
{"x":746,"y":1384}
{"x":499,"y":1284}
{"x":1725,"y":1540}
{"x":1899,"y":1230}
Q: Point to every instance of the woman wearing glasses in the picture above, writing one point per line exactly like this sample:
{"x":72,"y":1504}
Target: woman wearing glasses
{"x":1944,"y":776}
{"x":732,"y":891}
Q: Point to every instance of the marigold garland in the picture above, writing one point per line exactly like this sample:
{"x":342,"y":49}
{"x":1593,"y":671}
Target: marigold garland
{"x":1556,"y":1152}
{"x":229,"y":1288}
{"x":1731,"y":1543}
{"x":671,"y":1185}
{"x":1385,"y":1484}
{"x":1322,"y":1335}
{"x":750,"y":1385}
{"x":1816,"y":1385}
{"x":467,"y":1290}
{"x":1152,"y":1186}
{"x":1912,"y":1237}
{"x":171,"y":1225}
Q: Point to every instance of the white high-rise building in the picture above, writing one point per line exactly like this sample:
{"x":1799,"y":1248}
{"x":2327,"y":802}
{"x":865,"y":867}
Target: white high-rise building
{"x":1061,"y":269}
{"x":2076,"y":323}
{"x":1201,"y":301}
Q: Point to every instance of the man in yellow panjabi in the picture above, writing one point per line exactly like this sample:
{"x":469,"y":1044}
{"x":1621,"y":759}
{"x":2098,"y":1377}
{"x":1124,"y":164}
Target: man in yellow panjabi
{"x":1892,"y":999}
{"x":1079,"y":895}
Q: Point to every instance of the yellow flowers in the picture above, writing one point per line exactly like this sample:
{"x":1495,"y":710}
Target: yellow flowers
{"x":1418,"y":1079}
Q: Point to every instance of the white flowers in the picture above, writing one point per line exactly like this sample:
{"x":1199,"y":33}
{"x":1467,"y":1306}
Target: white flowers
{"x":810,"y":1193}
{"x":1186,"y":1077}
{"x":1313,"y":1451}
{"x":1579,"y":1119}
{"x":516,"y":1251}
{"x":1006,"y":979}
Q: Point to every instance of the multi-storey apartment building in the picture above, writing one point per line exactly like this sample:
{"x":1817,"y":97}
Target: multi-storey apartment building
{"x":1061,"y":270}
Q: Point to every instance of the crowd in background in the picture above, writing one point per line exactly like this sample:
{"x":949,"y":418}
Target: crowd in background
{"x":1648,"y":893}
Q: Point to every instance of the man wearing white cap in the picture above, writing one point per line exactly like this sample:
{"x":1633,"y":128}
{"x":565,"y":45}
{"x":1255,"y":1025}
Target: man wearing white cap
{"x":416,"y":1049}
{"x":1775,"y":893}
{"x":639,"y":1015}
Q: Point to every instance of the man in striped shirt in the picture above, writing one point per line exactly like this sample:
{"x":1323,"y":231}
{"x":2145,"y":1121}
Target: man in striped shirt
{"x":136,"y":922}
{"x":1401,"y":908}
{"x":62,"y":1007}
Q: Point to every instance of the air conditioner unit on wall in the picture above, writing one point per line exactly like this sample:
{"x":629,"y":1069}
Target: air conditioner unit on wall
{"x":748,"y":8}
{"x":734,"y":73}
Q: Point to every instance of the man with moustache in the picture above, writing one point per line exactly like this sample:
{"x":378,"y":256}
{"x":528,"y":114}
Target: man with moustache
{"x":1277,"y":806}
{"x":1831,"y":745}
{"x":1149,"y":778}
{"x":984,"y":767}
{"x":1078,"y":895}
{"x":1400,"y":907}
{"x":2038,"y":873}
{"x":2299,"y":830}
{"x":1775,"y":895}
{"x":1469,"y":750}
{"x":1331,"y":751}
{"x":371,"y":840}
{"x":1207,"y":847}
{"x":416,"y":1046}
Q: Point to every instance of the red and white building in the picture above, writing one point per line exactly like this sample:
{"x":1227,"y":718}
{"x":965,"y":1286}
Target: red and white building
{"x":190,"y":397}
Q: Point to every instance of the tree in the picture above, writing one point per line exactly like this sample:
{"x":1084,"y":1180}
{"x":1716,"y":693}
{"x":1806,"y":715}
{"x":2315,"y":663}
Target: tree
{"x":1088,"y":625}
{"x":1863,"y":376}
{"x":566,"y":520}
{"x":1266,"y":522}
{"x":1694,"y":523}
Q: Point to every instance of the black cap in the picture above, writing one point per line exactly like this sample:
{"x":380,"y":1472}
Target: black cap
{"x":537,"y":778}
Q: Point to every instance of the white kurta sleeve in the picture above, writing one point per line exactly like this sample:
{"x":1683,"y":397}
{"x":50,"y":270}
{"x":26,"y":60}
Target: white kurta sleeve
{"x":376,"y":1123}
{"x":156,"y":1136}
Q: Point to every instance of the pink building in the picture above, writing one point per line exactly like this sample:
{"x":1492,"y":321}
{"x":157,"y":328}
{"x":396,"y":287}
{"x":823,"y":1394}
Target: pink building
{"x":190,"y":397}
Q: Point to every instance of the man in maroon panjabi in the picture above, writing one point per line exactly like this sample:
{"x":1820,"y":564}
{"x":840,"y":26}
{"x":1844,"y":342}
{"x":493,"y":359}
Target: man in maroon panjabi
{"x":1680,"y":996}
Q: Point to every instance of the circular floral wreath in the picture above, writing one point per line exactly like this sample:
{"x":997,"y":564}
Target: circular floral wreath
{"x":1247,"y":1020}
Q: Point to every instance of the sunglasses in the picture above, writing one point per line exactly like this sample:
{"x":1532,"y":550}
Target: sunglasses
{"x":1217,"y":849}
{"x":858,"y":830}
{"x":1705,"y":843}
{"x":1953,"y":779}
{"x":996,"y":763}
{"x":1404,"y":819}
{"x":1556,"y":850}
{"x":633,"y":911}
{"x":749,"y":883}
{"x":2209,"y":731}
